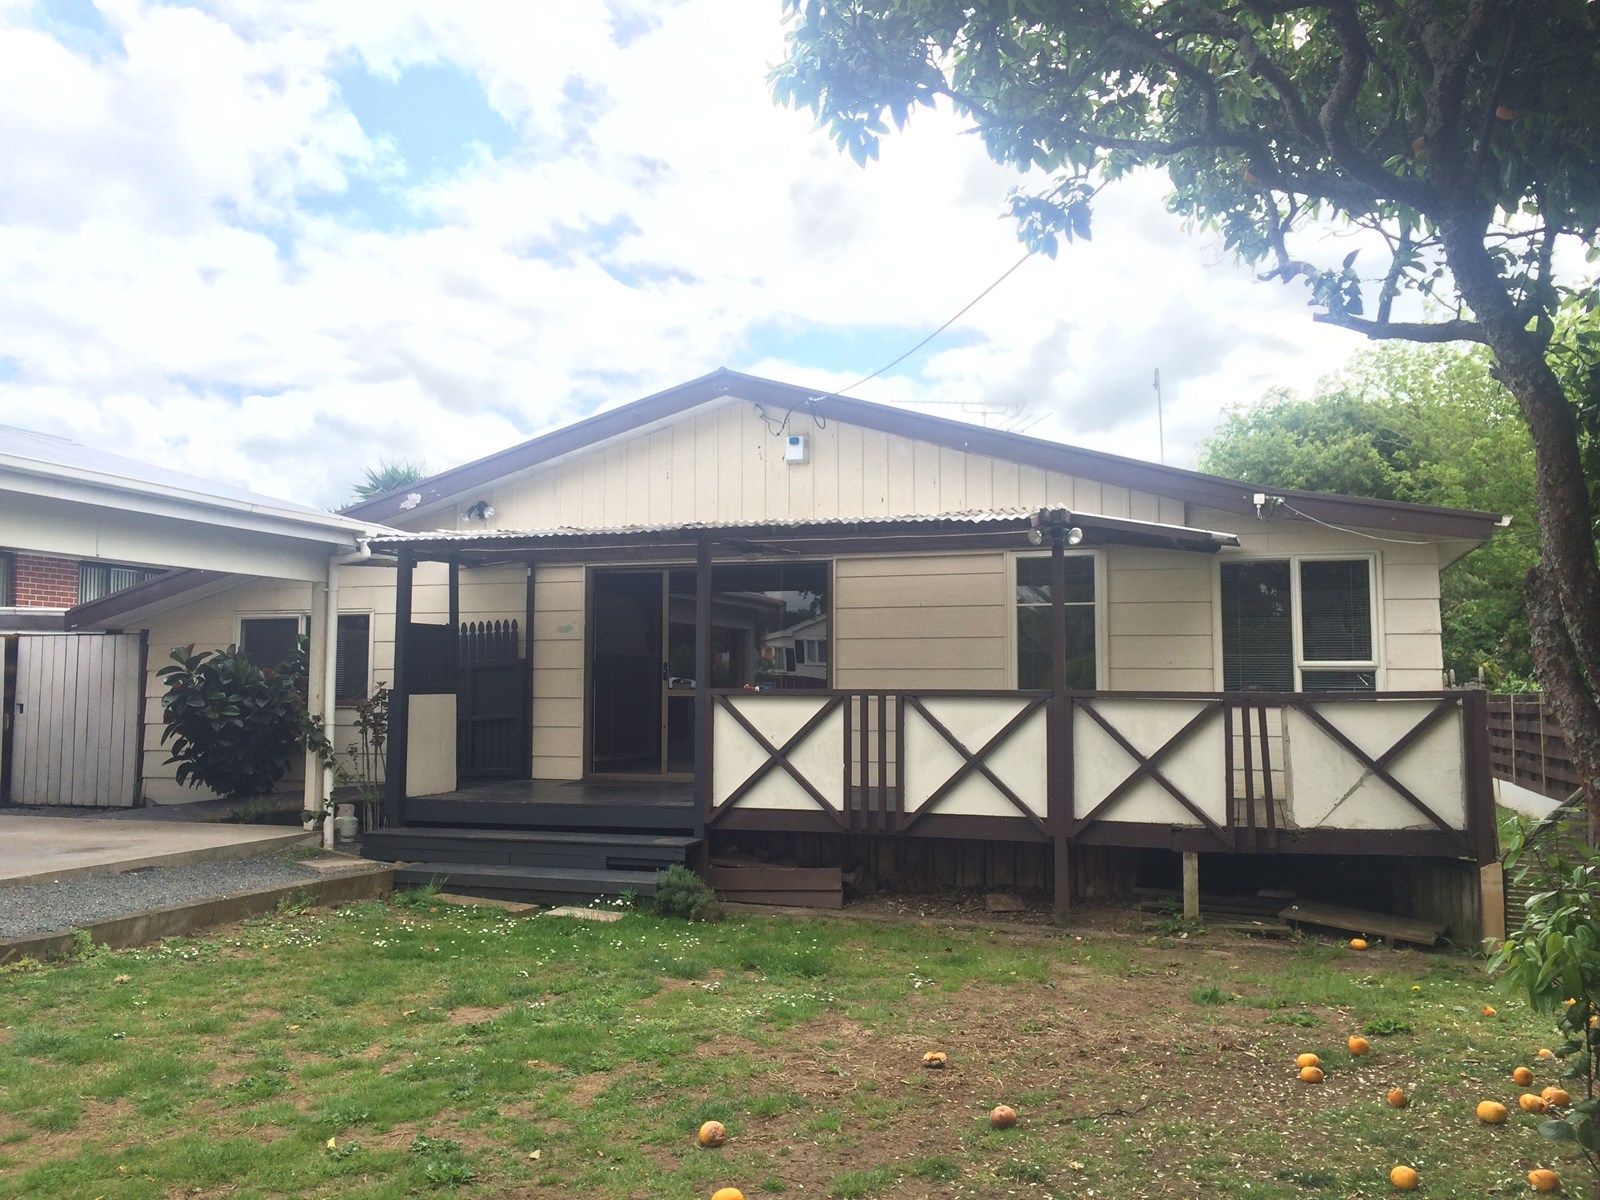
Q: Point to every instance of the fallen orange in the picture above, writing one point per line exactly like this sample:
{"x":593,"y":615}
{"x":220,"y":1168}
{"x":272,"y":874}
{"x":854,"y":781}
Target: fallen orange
{"x":712,"y":1134}
{"x":727,"y":1194}
{"x":1529,"y":1103}
{"x":1397,"y":1098}
{"x":1003,"y":1116}
{"x":1308,"y":1060}
{"x":1522,"y":1077}
{"x":1491,"y":1112}
{"x":1358,"y":1045}
{"x":1358,"y":943}
{"x":1311,"y":1075}
{"x":1542,"y":1179}
{"x":1404,"y":1179}
{"x":1556,"y":1097}
{"x":1488,"y":1010}
{"x":1545,"y":1055}
{"x":934,"y":1059}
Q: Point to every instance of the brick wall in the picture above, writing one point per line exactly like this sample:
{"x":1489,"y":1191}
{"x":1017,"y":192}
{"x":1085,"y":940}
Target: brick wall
{"x":41,"y":582}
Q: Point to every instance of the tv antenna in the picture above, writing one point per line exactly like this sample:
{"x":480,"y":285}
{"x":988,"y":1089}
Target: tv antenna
{"x":1161,"y":430}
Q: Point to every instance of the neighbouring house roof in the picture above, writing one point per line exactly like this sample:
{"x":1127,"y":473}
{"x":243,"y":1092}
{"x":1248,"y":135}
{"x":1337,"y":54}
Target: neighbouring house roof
{"x":29,"y":619}
{"x":1194,"y":487}
{"x":131,"y":605}
{"x":818,"y":535}
{"x":39,"y":462}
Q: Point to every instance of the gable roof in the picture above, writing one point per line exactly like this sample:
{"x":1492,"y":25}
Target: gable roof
{"x":1194,"y":487}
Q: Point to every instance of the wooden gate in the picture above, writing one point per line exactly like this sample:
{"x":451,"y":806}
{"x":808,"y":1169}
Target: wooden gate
{"x":491,"y":688}
{"x":74,"y":720}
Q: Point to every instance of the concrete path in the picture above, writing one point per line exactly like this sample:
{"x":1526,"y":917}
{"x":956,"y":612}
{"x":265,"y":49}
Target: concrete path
{"x":41,"y":849}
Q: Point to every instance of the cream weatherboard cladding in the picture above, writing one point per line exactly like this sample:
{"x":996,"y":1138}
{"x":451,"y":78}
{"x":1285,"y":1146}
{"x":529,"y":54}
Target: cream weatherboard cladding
{"x":913,"y":621}
{"x":722,"y":463}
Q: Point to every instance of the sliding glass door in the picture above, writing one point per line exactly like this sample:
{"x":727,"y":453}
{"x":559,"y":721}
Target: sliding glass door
{"x":769,"y":630}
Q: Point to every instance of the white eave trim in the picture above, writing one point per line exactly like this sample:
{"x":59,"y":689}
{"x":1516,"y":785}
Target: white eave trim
{"x":95,"y":488}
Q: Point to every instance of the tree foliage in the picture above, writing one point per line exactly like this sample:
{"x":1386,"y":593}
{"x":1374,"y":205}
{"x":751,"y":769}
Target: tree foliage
{"x":388,"y":476}
{"x":1459,"y":139}
{"x":1426,"y":424}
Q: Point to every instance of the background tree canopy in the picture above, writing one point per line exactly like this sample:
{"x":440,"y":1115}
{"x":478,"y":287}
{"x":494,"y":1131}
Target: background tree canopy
{"x":1427,"y":424}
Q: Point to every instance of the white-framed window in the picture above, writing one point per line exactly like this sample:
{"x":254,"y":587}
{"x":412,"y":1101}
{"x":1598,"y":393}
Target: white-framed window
{"x":1030,"y":624}
{"x":353,"y":668}
{"x":1299,"y":623}
{"x":268,"y":639}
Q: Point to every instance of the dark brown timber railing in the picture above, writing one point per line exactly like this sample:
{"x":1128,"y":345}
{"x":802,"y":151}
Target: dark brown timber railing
{"x":861,"y":786}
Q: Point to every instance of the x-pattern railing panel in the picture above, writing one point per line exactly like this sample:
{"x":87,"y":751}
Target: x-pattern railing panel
{"x":781,"y":759}
{"x":976,"y":762}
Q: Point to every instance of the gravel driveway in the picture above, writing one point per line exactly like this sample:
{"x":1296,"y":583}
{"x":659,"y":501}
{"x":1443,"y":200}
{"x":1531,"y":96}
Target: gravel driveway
{"x":73,"y":903}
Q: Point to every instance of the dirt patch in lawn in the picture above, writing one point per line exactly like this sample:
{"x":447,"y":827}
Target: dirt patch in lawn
{"x":1083,"y":1052}
{"x":477,"y":1014}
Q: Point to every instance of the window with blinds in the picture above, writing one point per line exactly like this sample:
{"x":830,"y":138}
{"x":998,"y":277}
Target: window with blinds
{"x":1330,"y":599}
{"x":269,"y":641}
{"x":1033,"y":621}
{"x":99,"y":580}
{"x":1257,"y":627}
{"x":353,"y":658}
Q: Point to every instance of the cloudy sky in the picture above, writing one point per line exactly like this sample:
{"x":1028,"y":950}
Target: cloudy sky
{"x":276,"y":240}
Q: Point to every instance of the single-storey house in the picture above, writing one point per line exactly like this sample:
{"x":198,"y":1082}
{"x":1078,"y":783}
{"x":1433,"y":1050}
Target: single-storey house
{"x":740,"y":613}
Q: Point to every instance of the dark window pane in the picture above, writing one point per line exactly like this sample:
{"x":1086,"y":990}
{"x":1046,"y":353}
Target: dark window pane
{"x":1339,"y":681}
{"x":351,"y":671}
{"x":268,"y":641}
{"x":1257,"y":627}
{"x":1033,"y":647}
{"x":1033,"y":579}
{"x":1335,"y":611}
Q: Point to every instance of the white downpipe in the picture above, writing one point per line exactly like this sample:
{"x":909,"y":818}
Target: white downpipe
{"x":330,"y":675}
{"x":330,"y":683}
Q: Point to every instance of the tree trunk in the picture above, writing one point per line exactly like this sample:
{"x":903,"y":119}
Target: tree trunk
{"x":1569,"y":696}
{"x":1563,"y":591}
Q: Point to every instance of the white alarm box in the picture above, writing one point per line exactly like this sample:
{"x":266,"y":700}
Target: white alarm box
{"x":796,"y":449}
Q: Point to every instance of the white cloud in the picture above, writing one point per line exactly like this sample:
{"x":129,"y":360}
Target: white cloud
{"x":177,"y":286}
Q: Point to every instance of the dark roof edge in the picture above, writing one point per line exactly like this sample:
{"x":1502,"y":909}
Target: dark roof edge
{"x":1211,"y":491}
{"x":141,"y":595}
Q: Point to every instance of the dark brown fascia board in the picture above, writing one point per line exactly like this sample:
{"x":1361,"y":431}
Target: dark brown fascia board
{"x":171,"y":586}
{"x":1194,"y":487}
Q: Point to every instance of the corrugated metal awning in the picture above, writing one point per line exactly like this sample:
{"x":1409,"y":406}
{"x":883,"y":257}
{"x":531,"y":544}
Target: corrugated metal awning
{"x":816,"y":534}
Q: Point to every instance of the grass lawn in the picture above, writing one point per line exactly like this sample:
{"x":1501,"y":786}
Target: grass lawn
{"x":420,"y":1048}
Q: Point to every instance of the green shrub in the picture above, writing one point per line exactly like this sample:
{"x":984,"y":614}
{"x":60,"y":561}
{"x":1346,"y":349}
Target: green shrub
{"x":683,"y":894}
{"x":232,"y":726}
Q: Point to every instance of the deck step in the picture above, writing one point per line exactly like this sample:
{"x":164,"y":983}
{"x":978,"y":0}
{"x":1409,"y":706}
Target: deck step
{"x":536,"y":814}
{"x":566,"y":884}
{"x":578,"y":850}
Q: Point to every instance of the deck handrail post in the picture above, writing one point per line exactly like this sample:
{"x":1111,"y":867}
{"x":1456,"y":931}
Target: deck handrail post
{"x":1058,"y":790}
{"x":702,"y":690}
{"x":394,"y":771}
{"x":1479,"y":774}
